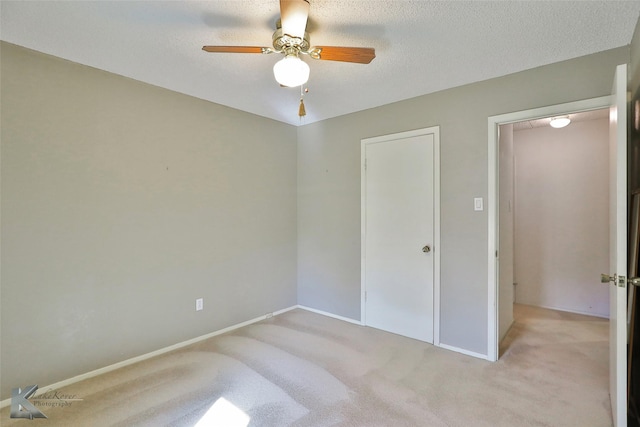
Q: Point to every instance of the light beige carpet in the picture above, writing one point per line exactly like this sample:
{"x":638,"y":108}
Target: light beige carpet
{"x":304,"y":369}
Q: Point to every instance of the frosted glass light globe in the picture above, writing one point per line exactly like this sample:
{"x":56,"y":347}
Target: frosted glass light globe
{"x":291,"y":71}
{"x":560,"y":122}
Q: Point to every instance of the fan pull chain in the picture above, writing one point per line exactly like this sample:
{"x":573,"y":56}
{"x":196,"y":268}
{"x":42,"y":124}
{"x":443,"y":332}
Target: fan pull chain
{"x":301,"y":111}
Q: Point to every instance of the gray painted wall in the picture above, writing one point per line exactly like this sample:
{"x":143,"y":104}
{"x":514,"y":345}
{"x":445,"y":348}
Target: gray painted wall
{"x":121,"y":204}
{"x":329,"y":186}
{"x":562,"y":217}
{"x":506,"y":206}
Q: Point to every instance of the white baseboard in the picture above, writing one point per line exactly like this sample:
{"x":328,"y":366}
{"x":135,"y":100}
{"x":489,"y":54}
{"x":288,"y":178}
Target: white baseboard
{"x":146,"y":356}
{"x":568,"y":310}
{"x":463,"y":351}
{"x":513,"y":322}
{"x":444,"y":346}
{"x":346,"y":319}
{"x":284,"y":310}
{"x":335,"y":316}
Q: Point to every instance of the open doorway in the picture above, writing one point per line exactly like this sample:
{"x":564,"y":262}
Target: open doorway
{"x":618,"y":232}
{"x":499,"y":298}
{"x":553,"y":217}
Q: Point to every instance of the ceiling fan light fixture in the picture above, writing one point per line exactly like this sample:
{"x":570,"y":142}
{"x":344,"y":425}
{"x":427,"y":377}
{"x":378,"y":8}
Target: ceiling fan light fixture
{"x":560,"y":122}
{"x":291,"y":71}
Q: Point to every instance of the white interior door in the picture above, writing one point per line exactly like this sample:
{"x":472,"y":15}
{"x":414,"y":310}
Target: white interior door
{"x":398,"y":242}
{"x":618,"y":248}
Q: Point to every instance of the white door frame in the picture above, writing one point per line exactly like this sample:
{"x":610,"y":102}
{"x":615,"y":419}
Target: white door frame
{"x":435,"y":131}
{"x":618,"y":247}
{"x":492,"y":198}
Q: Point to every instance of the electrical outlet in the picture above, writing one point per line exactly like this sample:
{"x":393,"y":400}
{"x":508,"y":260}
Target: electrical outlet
{"x":199,"y":304}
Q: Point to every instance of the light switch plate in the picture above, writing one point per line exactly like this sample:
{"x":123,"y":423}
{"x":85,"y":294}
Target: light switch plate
{"x":199,"y":304}
{"x":477,"y":204}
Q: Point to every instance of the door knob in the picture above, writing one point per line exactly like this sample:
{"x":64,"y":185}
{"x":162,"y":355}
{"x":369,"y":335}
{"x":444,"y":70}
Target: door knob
{"x":426,"y":249}
{"x":605,"y":278}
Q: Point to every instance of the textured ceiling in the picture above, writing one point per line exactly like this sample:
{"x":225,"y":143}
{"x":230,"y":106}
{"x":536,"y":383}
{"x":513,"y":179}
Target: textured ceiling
{"x":421,"y":46}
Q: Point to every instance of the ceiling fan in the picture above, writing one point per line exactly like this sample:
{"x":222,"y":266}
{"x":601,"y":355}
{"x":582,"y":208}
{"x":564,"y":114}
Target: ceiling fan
{"x":292,"y":40}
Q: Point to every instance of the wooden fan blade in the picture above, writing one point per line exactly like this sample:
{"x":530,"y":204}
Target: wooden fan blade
{"x":293,"y":16}
{"x":235,"y":49}
{"x":360,"y":55}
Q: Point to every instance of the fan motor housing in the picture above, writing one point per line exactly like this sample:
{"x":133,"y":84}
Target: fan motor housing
{"x":283,"y":42}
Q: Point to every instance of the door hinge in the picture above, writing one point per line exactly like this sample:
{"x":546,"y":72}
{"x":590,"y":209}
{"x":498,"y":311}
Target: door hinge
{"x":622,"y":281}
